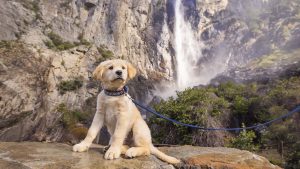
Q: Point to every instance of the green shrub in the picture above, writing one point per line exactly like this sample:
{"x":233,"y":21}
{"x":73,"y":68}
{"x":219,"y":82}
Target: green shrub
{"x":56,"y":42}
{"x":49,"y":44}
{"x":106,"y":54}
{"x":34,"y":6}
{"x":240,"y":105}
{"x":65,"y":46}
{"x":71,"y":117}
{"x":83,"y":41}
{"x":247,"y":103}
{"x":66,"y":4}
{"x":192,"y":106}
{"x":69,"y":85}
{"x":230,"y":90}
{"x":293,"y":157}
{"x":244,"y":141}
{"x":7,"y":44}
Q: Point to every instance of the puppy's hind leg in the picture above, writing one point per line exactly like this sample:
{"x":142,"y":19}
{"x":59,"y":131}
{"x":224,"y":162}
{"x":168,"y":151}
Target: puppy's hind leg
{"x":142,"y":140}
{"x":137,"y":151}
{"x":124,"y":149}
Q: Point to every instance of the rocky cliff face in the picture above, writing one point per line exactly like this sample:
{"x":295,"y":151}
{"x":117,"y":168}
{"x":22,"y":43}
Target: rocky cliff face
{"x":131,"y":29}
{"x":245,"y":40}
{"x":37,"y":75}
{"x":48,"y":50}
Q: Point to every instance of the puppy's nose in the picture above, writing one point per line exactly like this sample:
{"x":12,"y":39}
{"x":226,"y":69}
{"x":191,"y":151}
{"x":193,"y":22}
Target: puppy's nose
{"x":119,"y":72}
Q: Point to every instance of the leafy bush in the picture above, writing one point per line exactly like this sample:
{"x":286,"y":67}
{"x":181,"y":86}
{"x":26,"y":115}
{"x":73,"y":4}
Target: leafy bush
{"x":192,"y":106}
{"x":105,"y":53}
{"x":83,"y":41}
{"x":247,"y":103}
{"x":7,"y":44}
{"x":230,"y":90}
{"x":244,"y":141}
{"x":240,"y":105}
{"x":49,"y":44}
{"x":66,"y":4}
{"x":70,"y":117}
{"x":293,"y":157}
{"x":69,"y":85}
{"x":34,"y":6}
{"x":56,"y":42}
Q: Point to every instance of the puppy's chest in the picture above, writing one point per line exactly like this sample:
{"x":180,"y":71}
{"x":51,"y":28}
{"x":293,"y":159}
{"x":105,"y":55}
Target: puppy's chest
{"x":114,"y":107}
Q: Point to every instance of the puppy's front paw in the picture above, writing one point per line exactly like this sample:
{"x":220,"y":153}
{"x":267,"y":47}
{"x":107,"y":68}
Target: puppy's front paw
{"x":112,"y":153}
{"x":81,"y":147}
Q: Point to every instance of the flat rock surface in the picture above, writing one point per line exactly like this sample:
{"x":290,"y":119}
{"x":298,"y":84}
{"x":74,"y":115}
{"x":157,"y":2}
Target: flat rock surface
{"x":25,"y":155}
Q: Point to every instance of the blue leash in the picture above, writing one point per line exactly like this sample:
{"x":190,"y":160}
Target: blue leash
{"x":297,"y":109}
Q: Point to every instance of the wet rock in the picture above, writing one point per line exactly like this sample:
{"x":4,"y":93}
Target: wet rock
{"x":37,"y":155}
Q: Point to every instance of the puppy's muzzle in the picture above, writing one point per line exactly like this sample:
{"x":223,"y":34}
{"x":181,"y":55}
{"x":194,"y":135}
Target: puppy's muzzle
{"x":119,"y":72}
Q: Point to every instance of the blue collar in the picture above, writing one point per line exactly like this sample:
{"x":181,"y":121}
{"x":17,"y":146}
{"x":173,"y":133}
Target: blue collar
{"x":116,"y":93}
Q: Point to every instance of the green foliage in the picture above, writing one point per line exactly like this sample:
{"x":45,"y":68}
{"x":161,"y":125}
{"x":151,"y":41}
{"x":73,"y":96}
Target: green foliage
{"x":49,"y":44}
{"x":244,"y":141}
{"x":56,"y":42}
{"x":240,"y":105}
{"x":293,"y":157}
{"x":66,"y":4}
{"x":192,"y":106}
{"x":34,"y":6}
{"x":248,"y":103}
{"x":230,"y":90}
{"x":62,"y":62}
{"x":83,"y":41}
{"x":69,"y":85}
{"x":71,"y":117}
{"x":7,"y":44}
{"x":105,"y":53}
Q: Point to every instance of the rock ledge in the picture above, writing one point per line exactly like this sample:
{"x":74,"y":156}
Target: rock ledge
{"x":26,"y":155}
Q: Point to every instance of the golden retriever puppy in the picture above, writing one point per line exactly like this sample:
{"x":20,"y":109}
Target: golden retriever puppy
{"x":119,"y":114}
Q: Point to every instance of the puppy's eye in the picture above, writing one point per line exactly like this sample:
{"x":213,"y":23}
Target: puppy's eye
{"x":123,"y":67}
{"x":111,"y":68}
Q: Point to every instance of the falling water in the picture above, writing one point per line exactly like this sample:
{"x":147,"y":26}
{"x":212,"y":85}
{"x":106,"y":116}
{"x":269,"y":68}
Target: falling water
{"x":190,"y":70}
{"x":188,"y":50}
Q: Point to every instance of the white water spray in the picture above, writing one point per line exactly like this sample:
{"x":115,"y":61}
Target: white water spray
{"x":188,"y":48}
{"x":188,"y":53}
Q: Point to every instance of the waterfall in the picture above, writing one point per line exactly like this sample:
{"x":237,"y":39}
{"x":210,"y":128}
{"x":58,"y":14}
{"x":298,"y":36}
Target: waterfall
{"x":191,"y":68}
{"x":187,"y":50}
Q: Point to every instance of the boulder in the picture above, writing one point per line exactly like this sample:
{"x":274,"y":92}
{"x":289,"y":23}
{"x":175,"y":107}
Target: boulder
{"x":24,"y":155}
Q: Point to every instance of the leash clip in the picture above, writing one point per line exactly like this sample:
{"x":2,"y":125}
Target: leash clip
{"x":126,"y":94}
{"x":126,"y":89}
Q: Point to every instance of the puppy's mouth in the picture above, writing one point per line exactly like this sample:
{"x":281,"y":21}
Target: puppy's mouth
{"x":118,"y":78}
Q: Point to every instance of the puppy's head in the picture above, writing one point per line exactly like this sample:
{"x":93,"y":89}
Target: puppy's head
{"x":114,"y":73}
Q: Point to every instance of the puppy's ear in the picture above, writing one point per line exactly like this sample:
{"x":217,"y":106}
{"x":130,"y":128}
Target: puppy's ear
{"x":98,"y":72}
{"x":131,"y":70}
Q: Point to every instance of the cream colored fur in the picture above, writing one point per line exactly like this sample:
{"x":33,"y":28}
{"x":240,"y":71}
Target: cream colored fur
{"x":120,"y":116}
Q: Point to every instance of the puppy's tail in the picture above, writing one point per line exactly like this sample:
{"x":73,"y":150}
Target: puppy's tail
{"x":163,"y":156}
